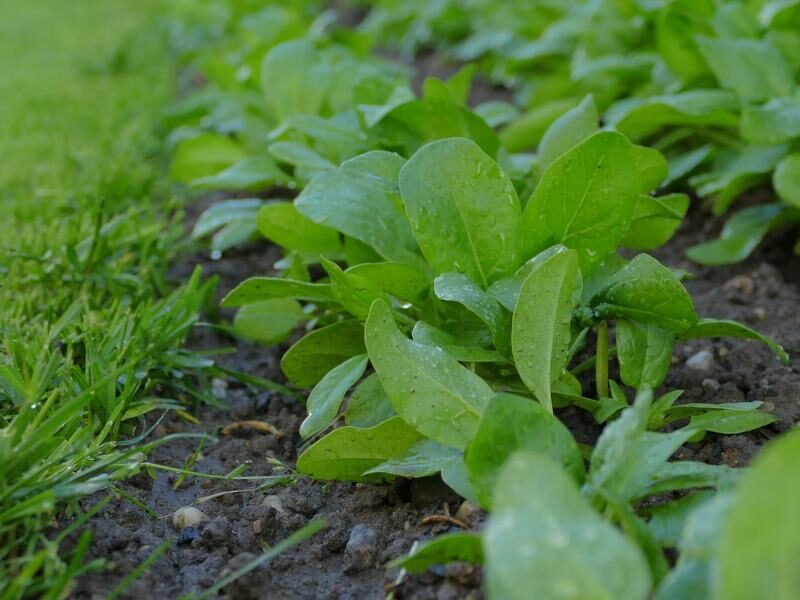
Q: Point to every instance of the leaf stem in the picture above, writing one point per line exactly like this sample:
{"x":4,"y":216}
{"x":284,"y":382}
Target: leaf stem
{"x":601,"y":365}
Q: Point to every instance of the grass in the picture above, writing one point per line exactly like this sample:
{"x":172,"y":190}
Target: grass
{"x":90,"y":332}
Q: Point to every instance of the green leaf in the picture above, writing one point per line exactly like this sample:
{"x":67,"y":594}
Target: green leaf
{"x":226,"y":212}
{"x":512,"y":423}
{"x":640,"y":117}
{"x":545,"y":541}
{"x":786,"y":179}
{"x":460,"y":546}
{"x":775,"y":122}
{"x":644,"y":354}
{"x":348,"y":452}
{"x":431,"y":336}
{"x":401,"y":281}
{"x":204,"y":155}
{"x":711,"y":328}
{"x":368,"y":405}
{"x":269,"y":321}
{"x":739,"y":237}
{"x":759,"y":545}
{"x":263,"y":288}
{"x":754,"y":69}
{"x":584,"y":200}
{"x":283,"y":224}
{"x":423,"y":459}
{"x":463,"y":209}
{"x":667,"y":521}
{"x":426,"y":386}
{"x":295,"y":79}
{"x":652,"y":166}
{"x":541,"y":334}
{"x":568,"y":130}
{"x":731,"y":422}
{"x":736,"y":170}
{"x":456,"y":287}
{"x":655,"y":221}
{"x":305,"y":363}
{"x":326,"y":397}
{"x":525,"y":132}
{"x":354,"y":292}
{"x":677,"y":24}
{"x":251,"y":173}
{"x":364,"y":205}
{"x":691,"y":577}
{"x":647,"y":292}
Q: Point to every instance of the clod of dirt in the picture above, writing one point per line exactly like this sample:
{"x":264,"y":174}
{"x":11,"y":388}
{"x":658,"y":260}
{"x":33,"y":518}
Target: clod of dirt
{"x":188,"y":535}
{"x":702,"y":361}
{"x":188,"y":516}
{"x":361,"y":549}
{"x":254,"y":584}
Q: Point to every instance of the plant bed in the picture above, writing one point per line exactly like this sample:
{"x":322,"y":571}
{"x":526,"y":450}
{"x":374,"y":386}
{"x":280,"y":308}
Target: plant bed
{"x":370,"y":525}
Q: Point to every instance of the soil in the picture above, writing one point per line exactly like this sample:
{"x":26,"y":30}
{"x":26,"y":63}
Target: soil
{"x":368,"y":525}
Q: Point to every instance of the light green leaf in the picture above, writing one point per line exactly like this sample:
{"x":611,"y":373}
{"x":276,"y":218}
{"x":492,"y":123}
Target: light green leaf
{"x":646,"y":291}
{"x":401,"y":281}
{"x":251,"y":173}
{"x":512,"y":423}
{"x":655,"y":221}
{"x":461,"y":546}
{"x":456,"y":287}
{"x":711,"y":328}
{"x":368,"y":404}
{"x":754,"y":69}
{"x":326,"y":397}
{"x":739,"y":237}
{"x":731,"y":422}
{"x":644,"y":354}
{"x":652,"y":166}
{"x":263,"y":288}
{"x":541,"y":334}
{"x":585,"y":200}
{"x":775,"y":122}
{"x":759,"y":546}
{"x":455,"y":347}
{"x":640,"y":117}
{"x":295,"y":79}
{"x":545,"y":541}
{"x":204,"y":155}
{"x":423,"y":459}
{"x":463,"y":209}
{"x":427,"y":387}
{"x":305,"y":363}
{"x":786,"y":179}
{"x":568,"y":130}
{"x":348,"y":452}
{"x":284,"y":225}
{"x":363,"y":205}
{"x":354,"y":292}
{"x":269,"y":321}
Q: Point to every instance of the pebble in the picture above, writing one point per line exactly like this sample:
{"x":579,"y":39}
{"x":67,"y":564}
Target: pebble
{"x":759,"y":313}
{"x":740,"y":283}
{"x":187,"y":516}
{"x":466,"y":511}
{"x":361,"y":549}
{"x":216,"y":532}
{"x":712,"y":385}
{"x":701,"y":361}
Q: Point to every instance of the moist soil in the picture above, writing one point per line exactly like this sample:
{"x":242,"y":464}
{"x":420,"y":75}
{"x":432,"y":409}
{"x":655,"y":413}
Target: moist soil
{"x":369,"y":525}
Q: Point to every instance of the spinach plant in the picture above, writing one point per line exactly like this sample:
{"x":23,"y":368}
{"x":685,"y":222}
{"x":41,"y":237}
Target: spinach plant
{"x":497,"y":297}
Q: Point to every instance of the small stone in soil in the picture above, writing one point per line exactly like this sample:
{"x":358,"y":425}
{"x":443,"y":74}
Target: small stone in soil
{"x":188,"y":535}
{"x":701,"y":361}
{"x":187,"y":516}
{"x":712,"y":385}
{"x":361,"y":549}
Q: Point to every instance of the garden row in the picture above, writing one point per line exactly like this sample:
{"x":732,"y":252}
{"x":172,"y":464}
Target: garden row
{"x":460,"y":274}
